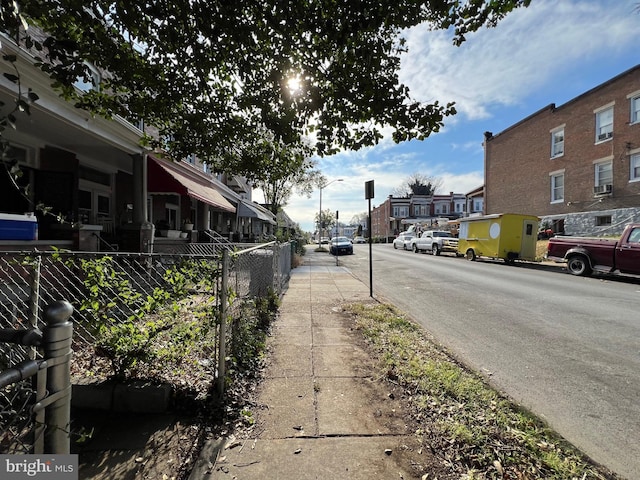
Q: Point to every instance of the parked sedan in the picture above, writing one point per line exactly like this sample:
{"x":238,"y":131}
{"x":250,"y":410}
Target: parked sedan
{"x":403,"y":240}
{"x":359,"y":239}
{"x":341,"y":245}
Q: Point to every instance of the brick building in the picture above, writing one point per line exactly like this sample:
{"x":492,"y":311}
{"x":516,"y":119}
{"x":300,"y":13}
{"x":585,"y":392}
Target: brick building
{"x":577,"y":166}
{"x":396,"y":214}
{"x":475,"y":201}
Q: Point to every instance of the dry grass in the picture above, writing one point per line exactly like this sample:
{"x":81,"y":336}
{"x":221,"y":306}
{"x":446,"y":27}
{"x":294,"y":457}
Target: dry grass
{"x":477,"y":432}
{"x":541,"y":249}
{"x":297,"y":260}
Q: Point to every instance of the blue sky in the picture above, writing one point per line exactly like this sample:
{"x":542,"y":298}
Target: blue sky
{"x":548,"y":53}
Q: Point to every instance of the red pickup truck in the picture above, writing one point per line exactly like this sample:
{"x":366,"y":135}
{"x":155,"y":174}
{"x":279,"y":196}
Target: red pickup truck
{"x":585,"y":255}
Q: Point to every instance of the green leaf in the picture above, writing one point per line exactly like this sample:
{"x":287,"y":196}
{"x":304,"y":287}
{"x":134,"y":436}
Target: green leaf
{"x":11,"y":77}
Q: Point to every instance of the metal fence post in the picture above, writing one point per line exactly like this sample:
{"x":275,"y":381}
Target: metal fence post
{"x":34,"y":300}
{"x":222,"y":349}
{"x":56,"y":343}
{"x":275,"y":268}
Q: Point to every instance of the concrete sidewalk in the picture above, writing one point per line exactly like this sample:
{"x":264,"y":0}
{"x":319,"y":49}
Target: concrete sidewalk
{"x":322,"y":411}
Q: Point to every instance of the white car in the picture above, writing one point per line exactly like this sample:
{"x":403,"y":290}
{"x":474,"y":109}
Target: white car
{"x":403,"y":240}
{"x":434,"y":241}
{"x":359,"y":239}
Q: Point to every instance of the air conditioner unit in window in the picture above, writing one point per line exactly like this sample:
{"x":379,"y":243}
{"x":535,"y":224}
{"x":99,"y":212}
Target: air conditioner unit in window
{"x":604,"y":136}
{"x":602,"y":189}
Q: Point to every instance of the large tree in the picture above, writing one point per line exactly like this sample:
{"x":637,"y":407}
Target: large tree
{"x":417,"y":184}
{"x":208,"y":73}
{"x":328,"y":220}
{"x":280,"y":169}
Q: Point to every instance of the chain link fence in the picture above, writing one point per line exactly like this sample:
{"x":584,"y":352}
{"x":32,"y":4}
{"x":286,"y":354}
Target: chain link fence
{"x":133,"y":314}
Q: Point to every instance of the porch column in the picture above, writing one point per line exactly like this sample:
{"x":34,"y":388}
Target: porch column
{"x":140,"y":188}
{"x":203,"y":217}
{"x":138,"y":235}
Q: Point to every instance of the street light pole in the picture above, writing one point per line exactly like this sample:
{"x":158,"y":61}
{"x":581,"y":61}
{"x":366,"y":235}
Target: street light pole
{"x":320,"y":211}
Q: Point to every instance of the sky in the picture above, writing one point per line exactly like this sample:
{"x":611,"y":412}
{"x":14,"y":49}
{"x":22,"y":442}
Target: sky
{"x":551,"y":52}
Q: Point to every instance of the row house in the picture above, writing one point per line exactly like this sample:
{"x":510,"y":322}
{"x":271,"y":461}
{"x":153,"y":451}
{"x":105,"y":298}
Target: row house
{"x":104,"y":190}
{"x":396,"y":214}
{"x":576,"y":166}
{"x":474,"y":202}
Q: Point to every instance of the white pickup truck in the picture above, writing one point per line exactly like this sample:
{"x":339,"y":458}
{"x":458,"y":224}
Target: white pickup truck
{"x":435,"y":241}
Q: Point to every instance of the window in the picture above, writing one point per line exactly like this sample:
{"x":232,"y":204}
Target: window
{"x":603,"y":221}
{"x":94,"y":196}
{"x":634,"y":236}
{"x":604,"y":124}
{"x":635,"y":107}
{"x":557,"y":187}
{"x":91,"y":82}
{"x":421,"y":210}
{"x":557,"y":142}
{"x":400,"y":212}
{"x":17,"y":154}
{"x":634,"y":163}
{"x":104,"y":205}
{"x":171,"y":215}
{"x":604,"y":174}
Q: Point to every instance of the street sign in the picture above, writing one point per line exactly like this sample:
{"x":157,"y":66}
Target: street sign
{"x":368,"y":190}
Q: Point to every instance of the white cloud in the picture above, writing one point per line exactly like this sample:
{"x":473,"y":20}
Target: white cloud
{"x":526,"y":50}
{"x":530,"y":52}
{"x":460,"y":183}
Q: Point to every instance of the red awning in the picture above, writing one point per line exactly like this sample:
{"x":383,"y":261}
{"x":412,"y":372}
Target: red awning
{"x":165,"y":176}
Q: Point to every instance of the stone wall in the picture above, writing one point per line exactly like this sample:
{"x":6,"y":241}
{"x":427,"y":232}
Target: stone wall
{"x":586,"y":224}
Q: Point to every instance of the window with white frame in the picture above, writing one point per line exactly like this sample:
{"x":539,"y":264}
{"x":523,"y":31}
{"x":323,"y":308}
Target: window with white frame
{"x":400,"y":212}
{"x":421,"y":210}
{"x":635,"y":108}
{"x":557,"y":142}
{"x":604,"y":124}
{"x":603,"y":174}
{"x":557,"y":186}
{"x":90,"y":82}
{"x":634,"y":164}
{"x":94,"y":196}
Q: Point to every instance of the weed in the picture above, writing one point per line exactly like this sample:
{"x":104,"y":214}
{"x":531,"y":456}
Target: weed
{"x":465,"y":418}
{"x":247,"y":416}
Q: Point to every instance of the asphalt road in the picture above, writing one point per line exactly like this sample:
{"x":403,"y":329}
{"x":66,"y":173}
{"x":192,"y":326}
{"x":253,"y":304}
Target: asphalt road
{"x":565,"y":347}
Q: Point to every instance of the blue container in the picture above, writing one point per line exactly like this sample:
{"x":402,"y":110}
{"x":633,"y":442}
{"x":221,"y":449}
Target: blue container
{"x":18,"y":227}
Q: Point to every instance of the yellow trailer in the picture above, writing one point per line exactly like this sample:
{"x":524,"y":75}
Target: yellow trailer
{"x":509,"y":236}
